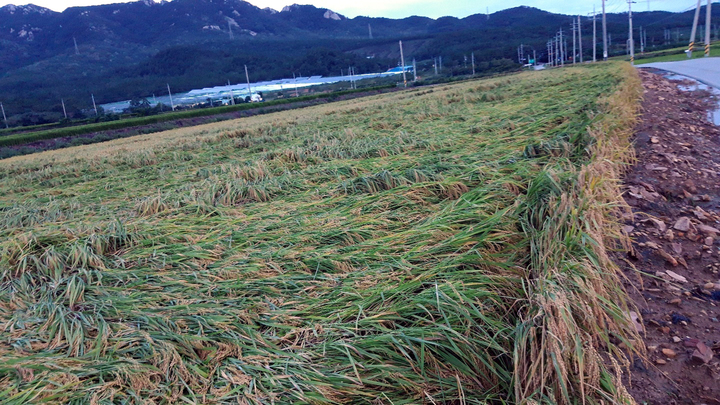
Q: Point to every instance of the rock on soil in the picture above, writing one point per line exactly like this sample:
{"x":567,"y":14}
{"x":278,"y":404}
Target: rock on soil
{"x":674,"y":192}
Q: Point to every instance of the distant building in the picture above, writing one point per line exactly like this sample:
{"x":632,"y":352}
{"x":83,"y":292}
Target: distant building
{"x":399,"y":69}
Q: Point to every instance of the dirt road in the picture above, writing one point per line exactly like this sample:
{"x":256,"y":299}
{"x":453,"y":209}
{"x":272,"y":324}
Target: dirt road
{"x":674,"y":193}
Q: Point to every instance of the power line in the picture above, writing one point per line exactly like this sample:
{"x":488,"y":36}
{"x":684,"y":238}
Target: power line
{"x":670,"y":16}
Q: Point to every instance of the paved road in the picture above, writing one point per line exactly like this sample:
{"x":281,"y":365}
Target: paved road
{"x":706,"y":70}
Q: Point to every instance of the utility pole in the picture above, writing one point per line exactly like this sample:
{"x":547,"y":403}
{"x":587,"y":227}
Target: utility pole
{"x":534,"y":57}
{"x":435,"y":64}
{"x":232,"y":97}
{"x":594,"y":36}
{"x":296,"y":89}
{"x":642,"y":41}
{"x":172,"y":105}
{"x":414,"y":71}
{"x":562,"y":49}
{"x":694,"y":30}
{"x":63,"y":105}
{"x":77,"y":51}
{"x":440,"y":59}
{"x":574,"y":29}
{"x":4,"y":117}
{"x":604,"y":29}
{"x":579,"y":28}
{"x":708,"y":28}
{"x":472,"y":58}
{"x":370,"y":31}
{"x":631,"y":43}
{"x":549,"y":52}
{"x":487,"y":11}
{"x":94,"y":106}
{"x":520,"y":53}
{"x":402,"y":60}
{"x":247,"y":77}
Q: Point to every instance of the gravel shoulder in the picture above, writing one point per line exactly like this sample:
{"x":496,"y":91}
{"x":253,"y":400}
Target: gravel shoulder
{"x":674,"y":193}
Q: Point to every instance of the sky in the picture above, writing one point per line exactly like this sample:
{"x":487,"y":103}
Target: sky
{"x":428,"y":8}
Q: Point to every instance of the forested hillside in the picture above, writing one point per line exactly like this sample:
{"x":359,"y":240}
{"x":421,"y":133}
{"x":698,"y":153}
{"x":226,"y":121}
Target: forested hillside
{"x":121,"y":51}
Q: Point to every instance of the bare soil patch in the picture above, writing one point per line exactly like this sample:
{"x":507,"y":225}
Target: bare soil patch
{"x":674,"y":193}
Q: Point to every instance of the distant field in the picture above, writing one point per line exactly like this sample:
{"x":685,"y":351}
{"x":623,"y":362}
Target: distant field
{"x":144,"y":122}
{"x":442,"y":245}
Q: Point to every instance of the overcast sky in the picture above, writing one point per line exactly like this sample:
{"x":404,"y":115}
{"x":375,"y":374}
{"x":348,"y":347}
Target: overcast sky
{"x":429,"y":8}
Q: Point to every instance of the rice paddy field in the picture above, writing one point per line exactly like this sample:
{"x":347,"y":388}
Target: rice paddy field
{"x":442,"y":245}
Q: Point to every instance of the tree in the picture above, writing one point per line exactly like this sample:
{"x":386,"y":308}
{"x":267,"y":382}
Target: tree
{"x":140,"y":105}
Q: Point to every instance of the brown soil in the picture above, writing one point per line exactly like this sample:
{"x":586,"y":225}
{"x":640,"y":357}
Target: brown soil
{"x":674,"y":192}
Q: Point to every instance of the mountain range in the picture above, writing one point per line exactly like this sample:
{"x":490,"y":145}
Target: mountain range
{"x":126,"y":50}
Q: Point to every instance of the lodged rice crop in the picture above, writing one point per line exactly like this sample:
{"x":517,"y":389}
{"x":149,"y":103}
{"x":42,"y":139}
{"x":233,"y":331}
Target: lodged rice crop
{"x":443,"y":246}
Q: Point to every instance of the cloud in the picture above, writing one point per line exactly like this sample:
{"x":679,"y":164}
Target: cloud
{"x":60,"y":5}
{"x":381,"y":8}
{"x":463,"y":8}
{"x":427,"y":8}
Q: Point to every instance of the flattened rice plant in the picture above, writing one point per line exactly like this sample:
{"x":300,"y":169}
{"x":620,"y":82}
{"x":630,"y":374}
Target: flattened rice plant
{"x":429,"y":246}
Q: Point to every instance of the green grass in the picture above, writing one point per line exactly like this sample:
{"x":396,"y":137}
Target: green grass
{"x":671,"y":55}
{"x":444,"y":245}
{"x":714,"y":52}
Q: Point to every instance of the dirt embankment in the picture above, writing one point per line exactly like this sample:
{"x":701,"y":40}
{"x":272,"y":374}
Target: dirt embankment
{"x":674,"y":192}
